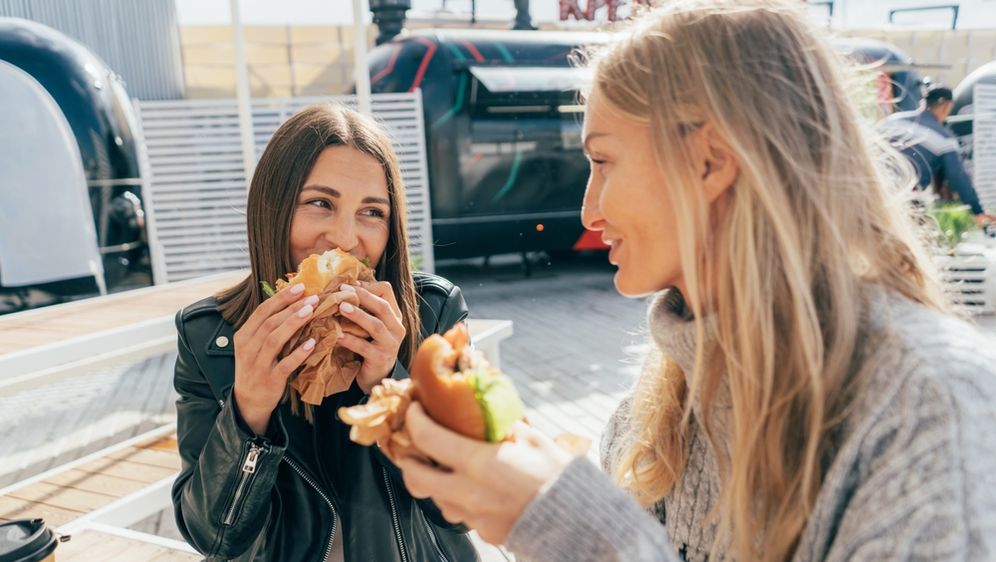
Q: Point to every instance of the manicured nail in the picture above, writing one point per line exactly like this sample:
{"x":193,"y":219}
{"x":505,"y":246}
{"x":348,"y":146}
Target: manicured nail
{"x":347,"y":288}
{"x":297,"y":288}
{"x":305,"y":311}
{"x":312,"y":300}
{"x":346,"y":307}
{"x":309,"y":345}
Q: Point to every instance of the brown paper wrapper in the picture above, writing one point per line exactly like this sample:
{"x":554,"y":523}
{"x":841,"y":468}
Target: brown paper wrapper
{"x":330,"y":368}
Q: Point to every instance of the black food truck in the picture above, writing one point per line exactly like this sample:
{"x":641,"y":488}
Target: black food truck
{"x":503,"y":135}
{"x":900,"y":83}
{"x":503,"y":125}
{"x":81,"y":111}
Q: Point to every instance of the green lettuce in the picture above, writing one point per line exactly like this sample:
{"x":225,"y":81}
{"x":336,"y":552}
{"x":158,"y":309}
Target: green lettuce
{"x":499,"y":401}
{"x":268,"y":289}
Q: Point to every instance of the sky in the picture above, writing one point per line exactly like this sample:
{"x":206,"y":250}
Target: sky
{"x":847,"y":13}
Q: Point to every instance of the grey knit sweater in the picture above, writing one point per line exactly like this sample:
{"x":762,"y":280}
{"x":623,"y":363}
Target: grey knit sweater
{"x":914,"y":477}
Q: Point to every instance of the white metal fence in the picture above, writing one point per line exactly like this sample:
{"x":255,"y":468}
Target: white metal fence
{"x":194,"y":181}
{"x":984,"y":143}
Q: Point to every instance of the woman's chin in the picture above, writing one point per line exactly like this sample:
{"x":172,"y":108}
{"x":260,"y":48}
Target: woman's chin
{"x":631,"y":288}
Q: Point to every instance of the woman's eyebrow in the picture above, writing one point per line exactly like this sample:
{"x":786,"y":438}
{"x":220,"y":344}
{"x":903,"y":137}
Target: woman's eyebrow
{"x":332,"y":192}
{"x":588,"y":138}
{"x":324,"y":189}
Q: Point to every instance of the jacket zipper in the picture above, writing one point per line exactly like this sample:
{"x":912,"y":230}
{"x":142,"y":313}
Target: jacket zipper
{"x":432,"y":536}
{"x":394,"y":516}
{"x":248,"y":470}
{"x":335,"y":517}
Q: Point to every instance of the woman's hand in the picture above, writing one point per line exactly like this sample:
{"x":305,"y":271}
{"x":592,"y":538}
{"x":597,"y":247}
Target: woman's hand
{"x":483,"y":485}
{"x":380,"y":316}
{"x":260,"y":374}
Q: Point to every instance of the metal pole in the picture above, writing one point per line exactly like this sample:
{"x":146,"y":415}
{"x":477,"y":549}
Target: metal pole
{"x":242,"y":93}
{"x":361,"y":76}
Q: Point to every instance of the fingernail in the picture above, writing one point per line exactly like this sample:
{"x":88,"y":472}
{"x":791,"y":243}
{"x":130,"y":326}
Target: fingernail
{"x":297,"y":288}
{"x":309,"y":345}
{"x":346,"y":307}
{"x":312,"y":300}
{"x":305,"y":311}
{"x":348,"y":288}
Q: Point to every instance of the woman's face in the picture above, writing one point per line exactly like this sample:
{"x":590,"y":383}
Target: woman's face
{"x":627,"y":201}
{"x":344,"y":204}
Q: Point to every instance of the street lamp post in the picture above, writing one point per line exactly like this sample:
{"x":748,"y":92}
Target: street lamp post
{"x":389,"y":15}
{"x":242,"y":93}
{"x":361,"y":76}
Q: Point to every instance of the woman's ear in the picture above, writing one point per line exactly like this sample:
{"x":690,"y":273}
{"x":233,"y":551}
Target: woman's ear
{"x":719,"y":165}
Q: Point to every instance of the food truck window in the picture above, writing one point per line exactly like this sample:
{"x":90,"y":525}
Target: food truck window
{"x":524,"y":154}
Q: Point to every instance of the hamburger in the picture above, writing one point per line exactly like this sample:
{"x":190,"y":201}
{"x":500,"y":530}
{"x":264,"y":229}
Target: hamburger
{"x":455,"y":385}
{"x":329,"y":368}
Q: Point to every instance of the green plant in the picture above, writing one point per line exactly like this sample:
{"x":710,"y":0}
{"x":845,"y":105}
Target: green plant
{"x":954,"y":220}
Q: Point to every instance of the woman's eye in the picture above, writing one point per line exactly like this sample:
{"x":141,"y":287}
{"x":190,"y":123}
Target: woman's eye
{"x":321,"y":203}
{"x":374,"y":212}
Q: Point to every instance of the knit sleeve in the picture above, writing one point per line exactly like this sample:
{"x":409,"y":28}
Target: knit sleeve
{"x":583,"y":517}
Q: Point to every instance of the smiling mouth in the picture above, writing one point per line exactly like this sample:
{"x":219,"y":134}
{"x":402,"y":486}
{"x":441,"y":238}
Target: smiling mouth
{"x":613,"y":250}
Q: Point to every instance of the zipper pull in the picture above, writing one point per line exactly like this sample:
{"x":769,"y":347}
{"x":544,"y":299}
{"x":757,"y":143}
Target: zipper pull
{"x":250,"y":465}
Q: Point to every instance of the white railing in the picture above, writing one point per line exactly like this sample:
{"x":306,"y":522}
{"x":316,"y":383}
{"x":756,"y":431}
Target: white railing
{"x":194,"y":183}
{"x":968,"y":273}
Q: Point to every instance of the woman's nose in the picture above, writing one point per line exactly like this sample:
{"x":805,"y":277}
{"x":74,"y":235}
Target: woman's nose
{"x":343,"y":236}
{"x":591,"y":214}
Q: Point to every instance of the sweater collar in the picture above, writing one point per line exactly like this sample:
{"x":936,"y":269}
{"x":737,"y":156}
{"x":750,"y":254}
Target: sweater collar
{"x":672,"y":328}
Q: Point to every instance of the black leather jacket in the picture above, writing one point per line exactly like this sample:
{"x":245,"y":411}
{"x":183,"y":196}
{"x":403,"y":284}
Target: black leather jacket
{"x":246,"y":497}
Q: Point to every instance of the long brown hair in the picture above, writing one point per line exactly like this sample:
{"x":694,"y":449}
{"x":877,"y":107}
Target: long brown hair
{"x":276,"y":184}
{"x":816,"y":214}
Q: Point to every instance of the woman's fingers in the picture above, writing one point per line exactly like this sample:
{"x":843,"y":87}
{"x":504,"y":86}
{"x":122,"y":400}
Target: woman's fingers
{"x":279,"y":328}
{"x":452,"y":512}
{"x":279,"y":301}
{"x":361,"y":347}
{"x":288,"y":364}
{"x":384,"y":290}
{"x":446,"y":447}
{"x":451,"y":488}
{"x":373,"y":325}
{"x":379,"y":306}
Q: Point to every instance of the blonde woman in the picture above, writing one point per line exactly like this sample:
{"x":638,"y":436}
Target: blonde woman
{"x":809,"y":396}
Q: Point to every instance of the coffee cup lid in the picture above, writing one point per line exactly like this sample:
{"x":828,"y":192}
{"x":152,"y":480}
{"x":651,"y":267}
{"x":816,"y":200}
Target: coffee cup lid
{"x":26,"y":540}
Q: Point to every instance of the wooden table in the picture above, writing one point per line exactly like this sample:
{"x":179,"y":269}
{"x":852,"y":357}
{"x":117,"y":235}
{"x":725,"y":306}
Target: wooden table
{"x":66,"y":339}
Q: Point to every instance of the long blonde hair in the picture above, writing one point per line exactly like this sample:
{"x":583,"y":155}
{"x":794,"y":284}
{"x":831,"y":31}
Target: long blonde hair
{"x":818,"y":210}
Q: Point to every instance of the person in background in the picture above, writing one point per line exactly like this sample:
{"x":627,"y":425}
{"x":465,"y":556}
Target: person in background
{"x":932,"y":148}
{"x":809,"y":396}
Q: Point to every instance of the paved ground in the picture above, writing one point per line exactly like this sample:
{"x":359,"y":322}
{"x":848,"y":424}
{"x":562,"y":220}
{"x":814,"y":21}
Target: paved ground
{"x":575,"y":351}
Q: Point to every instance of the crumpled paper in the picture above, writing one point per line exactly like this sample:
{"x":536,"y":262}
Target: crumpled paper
{"x":382,"y":419}
{"x":329,"y":368}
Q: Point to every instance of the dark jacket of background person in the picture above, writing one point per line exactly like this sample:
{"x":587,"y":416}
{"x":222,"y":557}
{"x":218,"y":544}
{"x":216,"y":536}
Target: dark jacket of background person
{"x":933,"y":150}
{"x":280,"y":496}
